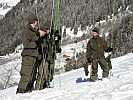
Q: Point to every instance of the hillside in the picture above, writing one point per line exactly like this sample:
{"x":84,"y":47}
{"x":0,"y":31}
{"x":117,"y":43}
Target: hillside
{"x":74,"y":14}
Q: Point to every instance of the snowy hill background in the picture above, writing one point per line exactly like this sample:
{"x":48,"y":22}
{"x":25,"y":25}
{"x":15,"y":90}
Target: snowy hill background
{"x":6,"y":5}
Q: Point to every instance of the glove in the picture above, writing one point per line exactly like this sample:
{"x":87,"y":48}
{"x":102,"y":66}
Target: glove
{"x":90,"y":59}
{"x":109,"y":49}
{"x":59,"y":50}
{"x":56,"y":32}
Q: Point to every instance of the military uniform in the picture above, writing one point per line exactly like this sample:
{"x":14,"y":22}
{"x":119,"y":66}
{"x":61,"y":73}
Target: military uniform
{"x":43,"y":62}
{"x":95,"y":54}
{"x":86,"y":68}
{"x":46,"y":66}
{"x":43,"y":72}
{"x":29,"y":55}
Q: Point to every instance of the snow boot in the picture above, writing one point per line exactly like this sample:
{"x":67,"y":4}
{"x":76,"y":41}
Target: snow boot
{"x":19,"y":90}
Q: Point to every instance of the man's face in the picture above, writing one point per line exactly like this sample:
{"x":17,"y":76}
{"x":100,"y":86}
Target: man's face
{"x":34,"y":25}
{"x":94,"y":34}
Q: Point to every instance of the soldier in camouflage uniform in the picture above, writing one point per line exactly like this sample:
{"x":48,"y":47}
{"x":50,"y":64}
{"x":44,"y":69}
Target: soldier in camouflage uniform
{"x":43,"y":59}
{"x":29,"y":55}
{"x":47,"y":55}
{"x":95,"y":54}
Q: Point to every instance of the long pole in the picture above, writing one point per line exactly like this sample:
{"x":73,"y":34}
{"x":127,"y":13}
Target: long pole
{"x":113,"y":31}
{"x":57,"y":27}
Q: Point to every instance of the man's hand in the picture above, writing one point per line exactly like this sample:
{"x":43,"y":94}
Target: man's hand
{"x":42,"y":33}
{"x":109,"y":49}
{"x":59,"y":51}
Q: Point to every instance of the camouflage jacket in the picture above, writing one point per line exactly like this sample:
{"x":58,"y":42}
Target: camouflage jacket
{"x":96,"y":48}
{"x":29,"y":38}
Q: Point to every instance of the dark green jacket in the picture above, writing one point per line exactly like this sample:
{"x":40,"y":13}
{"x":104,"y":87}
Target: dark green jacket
{"x":96,"y":48}
{"x":29,"y":38}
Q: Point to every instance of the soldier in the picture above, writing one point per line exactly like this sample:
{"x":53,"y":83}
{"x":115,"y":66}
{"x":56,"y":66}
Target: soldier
{"x":95,"y":54}
{"x":29,"y":55}
{"x":43,"y":65}
{"x":46,"y":57}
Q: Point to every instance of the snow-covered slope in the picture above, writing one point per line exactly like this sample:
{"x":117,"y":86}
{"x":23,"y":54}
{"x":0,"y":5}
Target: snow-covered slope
{"x":117,"y":87}
{"x":10,"y":64}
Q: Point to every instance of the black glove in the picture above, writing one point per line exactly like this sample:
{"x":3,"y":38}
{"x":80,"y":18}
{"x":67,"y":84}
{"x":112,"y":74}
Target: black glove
{"x":59,"y":50}
{"x":56,"y":33}
{"x":109,"y":49}
{"x":90,"y":59}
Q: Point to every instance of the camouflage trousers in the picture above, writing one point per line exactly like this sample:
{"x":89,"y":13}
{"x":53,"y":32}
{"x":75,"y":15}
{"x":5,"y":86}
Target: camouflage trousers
{"x":28,"y":73}
{"x":42,"y":76}
{"x":104,"y":67}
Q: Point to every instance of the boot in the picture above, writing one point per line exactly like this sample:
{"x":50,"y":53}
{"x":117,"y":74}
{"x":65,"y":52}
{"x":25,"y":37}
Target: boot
{"x":86,"y":73}
{"x":19,"y":90}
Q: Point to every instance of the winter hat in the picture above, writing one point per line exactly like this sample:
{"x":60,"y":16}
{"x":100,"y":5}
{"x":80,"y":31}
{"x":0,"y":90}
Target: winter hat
{"x":32,"y":18}
{"x":96,"y":30}
{"x":45,"y":26}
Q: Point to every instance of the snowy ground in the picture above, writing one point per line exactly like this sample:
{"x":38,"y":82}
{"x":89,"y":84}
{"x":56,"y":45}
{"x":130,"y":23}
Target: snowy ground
{"x":10,"y":64}
{"x":117,"y":87}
